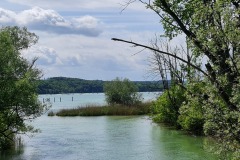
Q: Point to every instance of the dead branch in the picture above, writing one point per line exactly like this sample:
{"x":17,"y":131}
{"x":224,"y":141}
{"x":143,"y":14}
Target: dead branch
{"x":166,"y":53}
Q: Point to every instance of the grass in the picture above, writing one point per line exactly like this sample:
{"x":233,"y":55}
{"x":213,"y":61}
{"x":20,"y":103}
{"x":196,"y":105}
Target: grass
{"x":93,"y":110}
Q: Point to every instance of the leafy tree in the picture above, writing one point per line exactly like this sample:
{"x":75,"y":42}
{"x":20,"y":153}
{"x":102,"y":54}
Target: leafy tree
{"x":179,"y":105}
{"x":18,"y":99}
{"x":212,"y":30}
{"x":122,"y":92}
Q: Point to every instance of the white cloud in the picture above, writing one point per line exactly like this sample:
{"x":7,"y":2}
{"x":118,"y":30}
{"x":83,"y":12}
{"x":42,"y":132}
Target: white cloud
{"x":76,"y":5}
{"x":75,"y":37}
{"x":46,"y":56}
{"x":50,"y":21}
{"x":88,"y":57}
{"x":7,"y":16}
{"x":39,"y":15}
{"x":85,"y":22}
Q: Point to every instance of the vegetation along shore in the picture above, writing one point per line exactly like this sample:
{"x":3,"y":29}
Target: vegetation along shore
{"x":93,"y":110}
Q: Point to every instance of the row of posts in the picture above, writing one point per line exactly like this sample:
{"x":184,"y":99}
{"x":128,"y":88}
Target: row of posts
{"x":48,"y":99}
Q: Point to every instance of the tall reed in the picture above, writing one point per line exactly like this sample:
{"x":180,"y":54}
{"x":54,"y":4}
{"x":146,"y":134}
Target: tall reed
{"x":95,"y":110}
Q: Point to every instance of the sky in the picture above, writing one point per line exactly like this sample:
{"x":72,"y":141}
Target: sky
{"x":75,"y":36}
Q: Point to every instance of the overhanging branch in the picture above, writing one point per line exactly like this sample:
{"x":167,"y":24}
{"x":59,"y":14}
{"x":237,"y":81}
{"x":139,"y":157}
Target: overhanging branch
{"x":166,"y":53}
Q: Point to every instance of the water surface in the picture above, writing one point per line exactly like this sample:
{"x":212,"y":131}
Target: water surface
{"x":107,"y":138}
{"x":64,"y":101}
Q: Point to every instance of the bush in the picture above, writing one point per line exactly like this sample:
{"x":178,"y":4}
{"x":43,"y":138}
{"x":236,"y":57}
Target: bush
{"x":191,"y":112}
{"x":191,"y":116}
{"x":122,"y":92}
{"x":166,"y":108}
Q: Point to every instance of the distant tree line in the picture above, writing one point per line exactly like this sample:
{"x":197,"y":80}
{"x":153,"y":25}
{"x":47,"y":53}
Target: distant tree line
{"x":57,"y":85}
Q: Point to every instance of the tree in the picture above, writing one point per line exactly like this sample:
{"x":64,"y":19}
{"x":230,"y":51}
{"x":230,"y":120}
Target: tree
{"x":179,"y":105}
{"x":18,"y":99}
{"x":122,"y":92}
{"x":212,"y":29}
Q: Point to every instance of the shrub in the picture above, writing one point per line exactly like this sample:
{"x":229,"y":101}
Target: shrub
{"x":122,"y":92}
{"x":192,"y":110}
{"x":191,"y":116}
{"x":166,"y":108}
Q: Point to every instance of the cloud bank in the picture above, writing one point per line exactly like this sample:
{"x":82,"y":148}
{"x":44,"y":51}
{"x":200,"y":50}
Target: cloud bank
{"x":51,"y":21}
{"x":75,"y":36}
{"x":76,"y":5}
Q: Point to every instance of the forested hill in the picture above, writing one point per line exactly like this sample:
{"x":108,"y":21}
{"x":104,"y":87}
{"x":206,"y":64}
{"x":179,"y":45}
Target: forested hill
{"x":58,"y":85}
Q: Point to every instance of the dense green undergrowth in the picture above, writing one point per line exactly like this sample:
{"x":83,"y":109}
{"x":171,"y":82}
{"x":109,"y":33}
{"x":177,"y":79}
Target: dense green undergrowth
{"x":182,"y":109}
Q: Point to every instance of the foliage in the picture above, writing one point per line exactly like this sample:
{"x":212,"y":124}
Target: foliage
{"x":57,"y":85}
{"x":18,"y":99}
{"x":212,"y":30}
{"x":166,"y":108}
{"x":122,"y":92}
{"x":191,"y":112}
{"x":222,"y":123}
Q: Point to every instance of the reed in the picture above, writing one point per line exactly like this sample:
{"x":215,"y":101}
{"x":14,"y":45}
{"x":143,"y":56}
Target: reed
{"x":95,"y":110}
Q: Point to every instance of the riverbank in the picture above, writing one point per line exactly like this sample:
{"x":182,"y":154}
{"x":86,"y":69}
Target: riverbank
{"x":96,"y":110}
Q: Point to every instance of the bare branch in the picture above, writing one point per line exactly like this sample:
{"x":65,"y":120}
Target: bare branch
{"x":126,"y":4}
{"x":166,"y":53}
{"x":33,"y":62}
{"x":139,"y":52}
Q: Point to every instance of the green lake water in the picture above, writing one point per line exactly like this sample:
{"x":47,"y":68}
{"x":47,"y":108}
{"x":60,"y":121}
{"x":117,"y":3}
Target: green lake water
{"x":106,"y":138}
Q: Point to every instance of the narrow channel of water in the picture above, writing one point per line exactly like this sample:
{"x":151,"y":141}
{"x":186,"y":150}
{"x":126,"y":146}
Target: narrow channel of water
{"x":107,"y":138}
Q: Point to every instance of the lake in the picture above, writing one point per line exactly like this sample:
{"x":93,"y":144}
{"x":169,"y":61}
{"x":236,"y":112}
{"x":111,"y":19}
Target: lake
{"x":105,"y":137}
{"x":64,"y":101}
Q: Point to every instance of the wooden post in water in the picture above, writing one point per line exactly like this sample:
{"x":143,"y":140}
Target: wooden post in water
{"x":43,"y":100}
{"x":60,"y":99}
{"x":54,"y":99}
{"x":72,"y":98}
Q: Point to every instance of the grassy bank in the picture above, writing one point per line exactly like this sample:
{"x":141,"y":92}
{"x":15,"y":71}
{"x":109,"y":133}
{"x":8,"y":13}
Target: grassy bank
{"x":92,"y":110}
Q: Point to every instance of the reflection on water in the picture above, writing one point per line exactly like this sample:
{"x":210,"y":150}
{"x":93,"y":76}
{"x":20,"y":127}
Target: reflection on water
{"x":12,"y":154}
{"x":107,"y":138}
